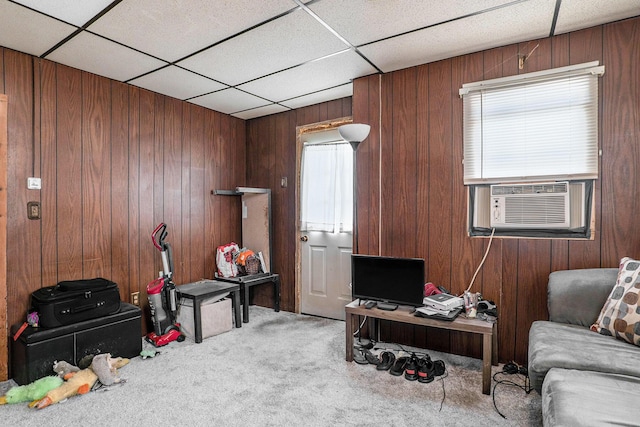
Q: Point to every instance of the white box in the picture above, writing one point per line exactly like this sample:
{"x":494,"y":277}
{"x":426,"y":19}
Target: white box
{"x":216,"y":317}
{"x":443,"y":301}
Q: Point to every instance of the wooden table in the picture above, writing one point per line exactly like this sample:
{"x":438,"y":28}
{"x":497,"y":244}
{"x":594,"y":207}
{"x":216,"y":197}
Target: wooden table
{"x":404,"y":314}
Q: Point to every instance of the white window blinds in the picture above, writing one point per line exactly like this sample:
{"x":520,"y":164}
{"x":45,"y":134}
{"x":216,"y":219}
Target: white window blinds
{"x":532,"y":126}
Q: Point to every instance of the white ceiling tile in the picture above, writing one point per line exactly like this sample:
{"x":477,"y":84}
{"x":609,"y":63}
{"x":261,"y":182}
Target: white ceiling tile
{"x":311,"y":77}
{"x":577,"y":14}
{"x":519,"y":22}
{"x":282,"y":43}
{"x":99,"y":56}
{"x":28,"y":31}
{"x":76,"y":12}
{"x":260,"y":111}
{"x":176,"y":82}
{"x":324,"y":95}
{"x":229,"y":101}
{"x":171,"y":30}
{"x":364,"y":21}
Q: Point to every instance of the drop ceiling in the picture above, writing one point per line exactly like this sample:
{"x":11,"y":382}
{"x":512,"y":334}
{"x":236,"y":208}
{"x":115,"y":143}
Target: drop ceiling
{"x":250,"y":58}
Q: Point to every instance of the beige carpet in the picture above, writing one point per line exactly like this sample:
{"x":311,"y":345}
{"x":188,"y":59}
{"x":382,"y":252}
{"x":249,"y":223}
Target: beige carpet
{"x":282,"y":369}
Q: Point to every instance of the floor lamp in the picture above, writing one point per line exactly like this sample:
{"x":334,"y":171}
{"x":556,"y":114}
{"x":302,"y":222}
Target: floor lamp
{"x":354,"y":134}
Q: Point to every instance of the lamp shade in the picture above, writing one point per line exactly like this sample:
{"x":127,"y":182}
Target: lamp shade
{"x":354,"y":132}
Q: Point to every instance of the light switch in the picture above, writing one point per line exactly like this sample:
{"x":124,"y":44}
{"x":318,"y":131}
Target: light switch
{"x":34,"y":183}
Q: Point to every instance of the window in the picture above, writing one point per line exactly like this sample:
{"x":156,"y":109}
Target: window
{"x":327,"y":187}
{"x":532,"y":130}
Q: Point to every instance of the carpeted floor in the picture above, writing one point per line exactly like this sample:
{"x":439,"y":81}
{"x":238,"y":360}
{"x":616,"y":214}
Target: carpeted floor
{"x":282,"y":369}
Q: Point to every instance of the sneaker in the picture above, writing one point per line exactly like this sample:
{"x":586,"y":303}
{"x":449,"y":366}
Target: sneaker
{"x":387,"y":360}
{"x":411,"y":370}
{"x":398,"y":367}
{"x":425,"y":369}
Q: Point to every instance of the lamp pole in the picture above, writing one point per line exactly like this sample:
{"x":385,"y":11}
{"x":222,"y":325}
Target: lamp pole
{"x":354,"y":134}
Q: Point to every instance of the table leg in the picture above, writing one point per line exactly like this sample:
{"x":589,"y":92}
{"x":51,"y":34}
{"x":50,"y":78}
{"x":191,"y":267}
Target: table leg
{"x":244,"y":294}
{"x":276,"y":291}
{"x":349,"y":337}
{"x":487,"y":352}
{"x":494,"y":345}
{"x":197,"y":319}
{"x":235,"y":299}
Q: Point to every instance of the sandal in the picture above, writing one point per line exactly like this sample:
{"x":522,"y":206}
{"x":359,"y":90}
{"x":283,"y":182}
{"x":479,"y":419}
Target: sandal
{"x":398,"y":367}
{"x":387,"y":360}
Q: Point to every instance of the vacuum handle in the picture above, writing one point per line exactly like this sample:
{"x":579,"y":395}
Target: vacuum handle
{"x":162,"y":230}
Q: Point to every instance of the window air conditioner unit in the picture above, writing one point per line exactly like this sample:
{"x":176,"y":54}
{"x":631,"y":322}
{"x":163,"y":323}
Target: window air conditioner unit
{"x":533,"y":205}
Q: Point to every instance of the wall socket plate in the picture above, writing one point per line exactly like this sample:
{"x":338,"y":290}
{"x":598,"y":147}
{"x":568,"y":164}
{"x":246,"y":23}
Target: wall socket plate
{"x":135,"y":298}
{"x":33,"y":210}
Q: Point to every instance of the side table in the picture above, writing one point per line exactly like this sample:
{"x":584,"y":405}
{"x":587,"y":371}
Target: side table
{"x":198,"y":291}
{"x":245,"y":282}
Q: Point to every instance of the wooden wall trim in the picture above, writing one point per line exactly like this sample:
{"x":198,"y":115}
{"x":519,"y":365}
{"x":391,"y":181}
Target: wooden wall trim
{"x":4,"y":356}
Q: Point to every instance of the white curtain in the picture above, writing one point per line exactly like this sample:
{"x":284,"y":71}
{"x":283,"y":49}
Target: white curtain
{"x":327,"y":188}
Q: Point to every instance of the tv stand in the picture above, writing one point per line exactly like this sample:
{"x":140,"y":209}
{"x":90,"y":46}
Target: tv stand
{"x":387,"y":306}
{"x":404,"y":314}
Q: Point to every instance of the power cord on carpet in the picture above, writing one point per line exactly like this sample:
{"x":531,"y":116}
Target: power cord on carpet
{"x":511,"y":368}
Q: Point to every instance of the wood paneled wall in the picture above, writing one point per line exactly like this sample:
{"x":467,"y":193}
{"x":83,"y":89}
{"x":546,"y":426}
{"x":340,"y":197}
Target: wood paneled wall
{"x":271,"y":155}
{"x":115,"y":161}
{"x":411,"y":197}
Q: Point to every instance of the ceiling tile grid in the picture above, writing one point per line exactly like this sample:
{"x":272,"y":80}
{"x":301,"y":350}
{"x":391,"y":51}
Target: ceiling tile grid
{"x":178,"y":83}
{"x":28,"y":31}
{"x":100,"y":56}
{"x":262,"y":51}
{"x":253,"y":58}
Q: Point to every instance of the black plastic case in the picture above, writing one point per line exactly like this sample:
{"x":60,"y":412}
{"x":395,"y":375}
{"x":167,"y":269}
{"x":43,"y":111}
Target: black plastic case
{"x":35,"y":351}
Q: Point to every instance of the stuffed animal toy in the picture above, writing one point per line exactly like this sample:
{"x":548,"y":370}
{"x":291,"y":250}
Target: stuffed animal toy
{"x":63,"y":369}
{"x":106,"y":368}
{"x":30,"y":392}
{"x":79,"y":383}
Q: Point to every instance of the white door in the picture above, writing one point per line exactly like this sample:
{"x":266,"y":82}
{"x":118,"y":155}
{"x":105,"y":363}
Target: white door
{"x":326,"y":208}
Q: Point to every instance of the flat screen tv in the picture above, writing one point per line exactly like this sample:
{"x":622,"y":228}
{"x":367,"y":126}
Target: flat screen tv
{"x":387,"y":279}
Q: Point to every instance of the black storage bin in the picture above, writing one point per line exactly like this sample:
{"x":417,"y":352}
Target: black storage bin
{"x":35,"y":351}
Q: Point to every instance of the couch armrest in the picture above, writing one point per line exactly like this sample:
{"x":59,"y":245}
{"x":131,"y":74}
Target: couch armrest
{"x":576,"y":296}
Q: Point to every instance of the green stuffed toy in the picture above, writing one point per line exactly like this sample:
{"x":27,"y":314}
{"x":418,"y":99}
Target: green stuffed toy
{"x":31,"y":392}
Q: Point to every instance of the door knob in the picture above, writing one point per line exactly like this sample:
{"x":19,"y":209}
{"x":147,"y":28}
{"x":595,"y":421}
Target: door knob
{"x":304,"y":238}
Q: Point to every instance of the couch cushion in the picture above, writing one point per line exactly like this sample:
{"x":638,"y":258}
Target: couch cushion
{"x":620,"y":315}
{"x":582,"y":398}
{"x":558,"y":345}
{"x":577,"y":296}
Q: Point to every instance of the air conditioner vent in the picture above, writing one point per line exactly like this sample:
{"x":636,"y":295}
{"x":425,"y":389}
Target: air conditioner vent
{"x":556,"y":187}
{"x":536,"y":205}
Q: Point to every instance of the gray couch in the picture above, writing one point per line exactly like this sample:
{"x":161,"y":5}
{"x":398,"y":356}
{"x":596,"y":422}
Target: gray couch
{"x":584,"y":378}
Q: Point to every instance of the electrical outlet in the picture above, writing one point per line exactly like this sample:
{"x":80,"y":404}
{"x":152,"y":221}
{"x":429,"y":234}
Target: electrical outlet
{"x":33,"y":210}
{"x":135,"y":298}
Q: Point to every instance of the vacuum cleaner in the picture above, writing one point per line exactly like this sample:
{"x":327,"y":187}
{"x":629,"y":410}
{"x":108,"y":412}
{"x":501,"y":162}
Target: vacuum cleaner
{"x":163,"y":295}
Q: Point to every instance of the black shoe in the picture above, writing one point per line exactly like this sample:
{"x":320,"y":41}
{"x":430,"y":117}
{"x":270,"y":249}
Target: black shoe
{"x":398,"y":367}
{"x":411,"y":370}
{"x":425,"y":370}
{"x":387,"y":360}
{"x":438,"y":368}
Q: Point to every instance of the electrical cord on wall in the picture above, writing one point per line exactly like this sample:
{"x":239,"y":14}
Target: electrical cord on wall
{"x":493,"y":230}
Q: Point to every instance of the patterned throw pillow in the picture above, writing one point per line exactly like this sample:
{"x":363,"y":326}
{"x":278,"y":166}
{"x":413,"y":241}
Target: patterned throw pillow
{"x":620,"y":316}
